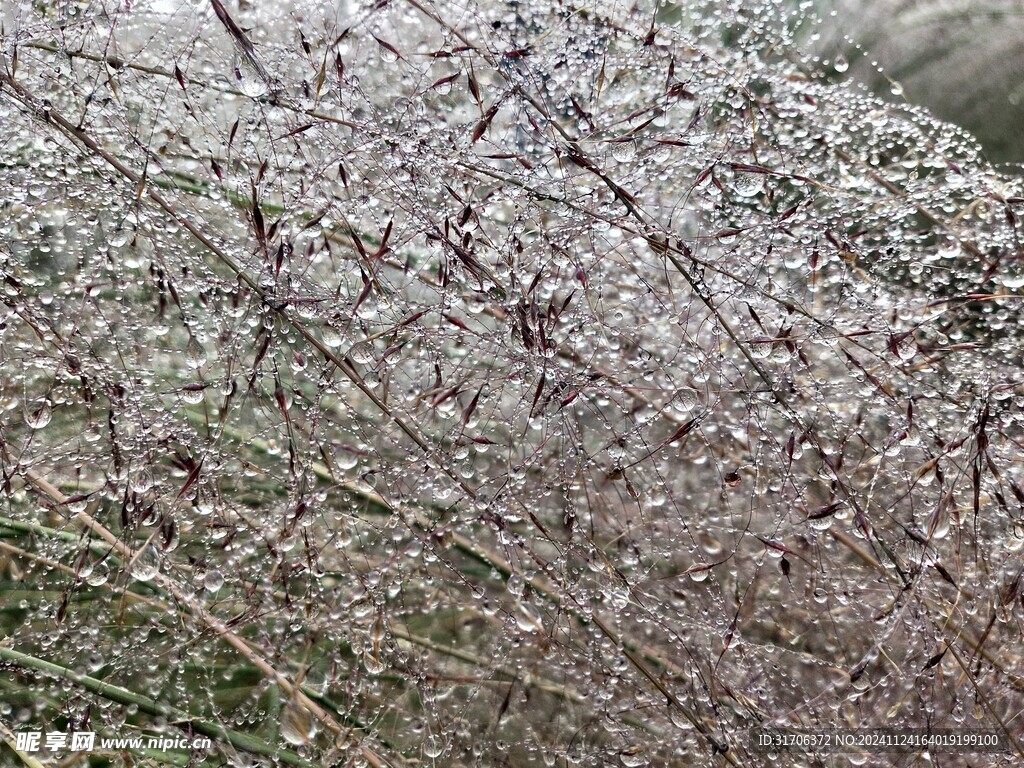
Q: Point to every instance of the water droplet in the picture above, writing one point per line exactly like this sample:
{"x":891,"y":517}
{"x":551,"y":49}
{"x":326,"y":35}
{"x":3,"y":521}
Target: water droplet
{"x":684,"y":400}
{"x":297,"y":724}
{"x":633,"y":756}
{"x":249,"y":80}
{"x":373,"y":663}
{"x":213,"y":580}
{"x":711,"y":546}
{"x":906,"y":349}
{"x":98,"y":575}
{"x":387,"y":55}
{"x":821,"y":523}
{"x":761,"y":349}
{"x":699,"y":572}
{"x":143,"y":480}
{"x":195,"y":353}
{"x":747,"y":184}
{"x":624,"y":151}
{"x":146,"y":564}
{"x":362,"y":353}
{"x":331,"y":336}
{"x":433,"y":746}
{"x":39,"y":414}
{"x":840,"y":64}
{"x":193,"y":394}
{"x":529,"y":619}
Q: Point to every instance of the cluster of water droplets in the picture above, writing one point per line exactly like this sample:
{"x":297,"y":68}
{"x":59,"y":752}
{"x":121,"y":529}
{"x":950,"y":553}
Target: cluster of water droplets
{"x":523,"y":383}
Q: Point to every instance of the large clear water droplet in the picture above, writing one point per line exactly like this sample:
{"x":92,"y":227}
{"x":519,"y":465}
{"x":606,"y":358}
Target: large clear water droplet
{"x":38,"y":414}
{"x":297,"y":724}
{"x":146,"y":564}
